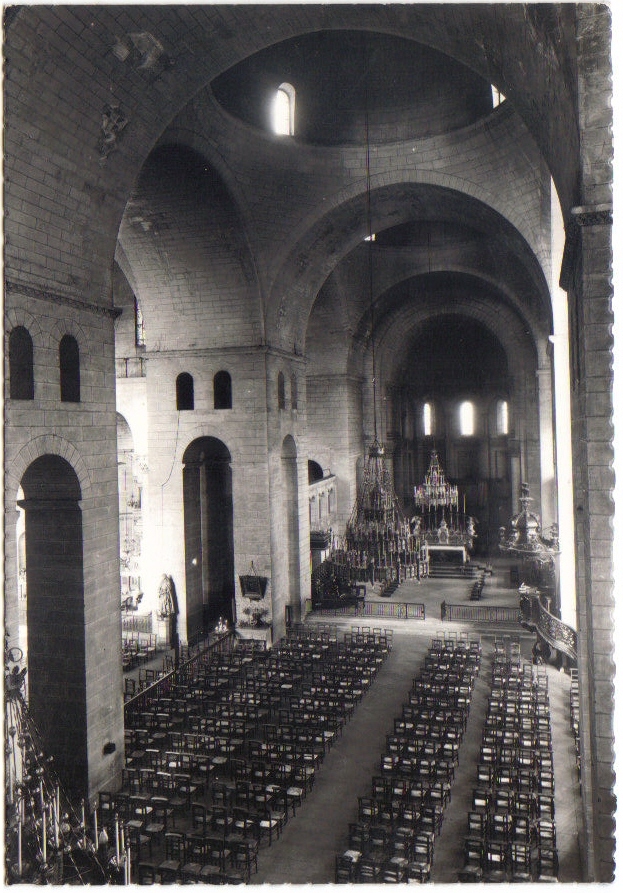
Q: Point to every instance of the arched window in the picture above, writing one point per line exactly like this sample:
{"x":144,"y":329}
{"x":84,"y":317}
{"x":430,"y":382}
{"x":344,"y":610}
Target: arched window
{"x":466,"y":418}
{"x":21,"y":372}
{"x":69,"y":362}
{"x":496,"y":97}
{"x":222,"y":390}
{"x":294,"y":392}
{"x":185,"y":391}
{"x":281,"y":391}
{"x":501,"y":415}
{"x":283,"y":110}
{"x":428,"y":419}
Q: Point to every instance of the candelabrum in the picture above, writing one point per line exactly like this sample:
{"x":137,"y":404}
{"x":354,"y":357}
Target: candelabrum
{"x":48,"y":838}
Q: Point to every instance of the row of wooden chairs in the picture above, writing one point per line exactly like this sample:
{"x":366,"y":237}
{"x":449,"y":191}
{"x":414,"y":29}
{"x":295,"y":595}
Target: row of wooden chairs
{"x":511,"y":832}
{"x":201,"y":858}
{"x":393,"y":838}
{"x":279,"y":711}
{"x":137,"y":648}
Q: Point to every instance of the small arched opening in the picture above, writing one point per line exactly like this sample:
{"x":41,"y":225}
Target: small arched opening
{"x":21,"y":367}
{"x":222,"y":390}
{"x":69,"y":363}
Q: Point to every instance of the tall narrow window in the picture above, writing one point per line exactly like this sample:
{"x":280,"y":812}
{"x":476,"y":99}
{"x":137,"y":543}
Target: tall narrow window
{"x":502,"y":417}
{"x":21,"y":371}
{"x":185,"y":391}
{"x":222,"y":390}
{"x":69,"y":362}
{"x":139,"y":327}
{"x":497,"y":97}
{"x":466,"y":418}
{"x":427,"y":419}
{"x":294,"y":392}
{"x":283,"y":110}
{"x":281,"y":391}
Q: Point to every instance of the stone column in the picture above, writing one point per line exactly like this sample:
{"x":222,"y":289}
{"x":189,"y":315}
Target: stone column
{"x":546,"y":441}
{"x":587,"y":276}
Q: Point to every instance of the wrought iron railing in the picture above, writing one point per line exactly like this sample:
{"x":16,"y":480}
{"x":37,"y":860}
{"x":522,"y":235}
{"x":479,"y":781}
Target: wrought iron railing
{"x":551,"y":629}
{"x":136,"y":623}
{"x":181,"y":674}
{"x":480,"y":613}
{"x":388,"y":610}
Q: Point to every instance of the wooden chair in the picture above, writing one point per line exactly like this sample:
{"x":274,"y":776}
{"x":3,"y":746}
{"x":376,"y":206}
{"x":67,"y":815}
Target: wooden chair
{"x":473,"y":851}
{"x":245,"y":856}
{"x":174,"y":856}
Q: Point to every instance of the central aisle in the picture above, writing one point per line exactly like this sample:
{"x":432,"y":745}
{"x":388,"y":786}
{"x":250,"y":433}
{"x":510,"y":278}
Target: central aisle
{"x":306,"y":852}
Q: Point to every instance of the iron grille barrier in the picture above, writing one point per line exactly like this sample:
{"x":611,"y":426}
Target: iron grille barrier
{"x":136,"y":623}
{"x":480,"y":613}
{"x":388,"y":610}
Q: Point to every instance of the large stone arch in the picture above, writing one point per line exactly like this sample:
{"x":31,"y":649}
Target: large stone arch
{"x":319,"y":252}
{"x":48,"y":444}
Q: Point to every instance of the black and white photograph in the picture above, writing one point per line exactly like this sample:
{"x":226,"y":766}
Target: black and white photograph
{"x":308,"y":445}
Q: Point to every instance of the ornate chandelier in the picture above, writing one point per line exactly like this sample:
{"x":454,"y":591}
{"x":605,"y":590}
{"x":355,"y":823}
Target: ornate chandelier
{"x":378,"y":542}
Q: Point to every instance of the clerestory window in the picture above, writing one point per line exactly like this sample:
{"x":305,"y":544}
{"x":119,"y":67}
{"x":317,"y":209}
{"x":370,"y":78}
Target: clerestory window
{"x":283,"y":110}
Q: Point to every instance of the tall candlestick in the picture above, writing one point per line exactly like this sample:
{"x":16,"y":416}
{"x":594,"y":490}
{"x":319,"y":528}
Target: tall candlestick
{"x":19,"y":847}
{"x":95,"y":834}
{"x":84,"y":827}
{"x":117,"y":838}
{"x":44,"y":838}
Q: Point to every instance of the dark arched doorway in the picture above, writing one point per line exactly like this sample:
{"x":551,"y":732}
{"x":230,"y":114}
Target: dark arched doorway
{"x":289,"y":478}
{"x":208,"y":535}
{"x":55,"y":615}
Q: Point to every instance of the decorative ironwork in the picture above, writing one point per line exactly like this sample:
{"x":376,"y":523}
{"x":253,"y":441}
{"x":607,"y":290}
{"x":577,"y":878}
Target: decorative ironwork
{"x":387,"y":610}
{"x":553,"y":630}
{"x":480,"y":613}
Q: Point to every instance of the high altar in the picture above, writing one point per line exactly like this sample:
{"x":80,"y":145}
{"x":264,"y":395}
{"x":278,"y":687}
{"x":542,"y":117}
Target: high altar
{"x":444,"y":529}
